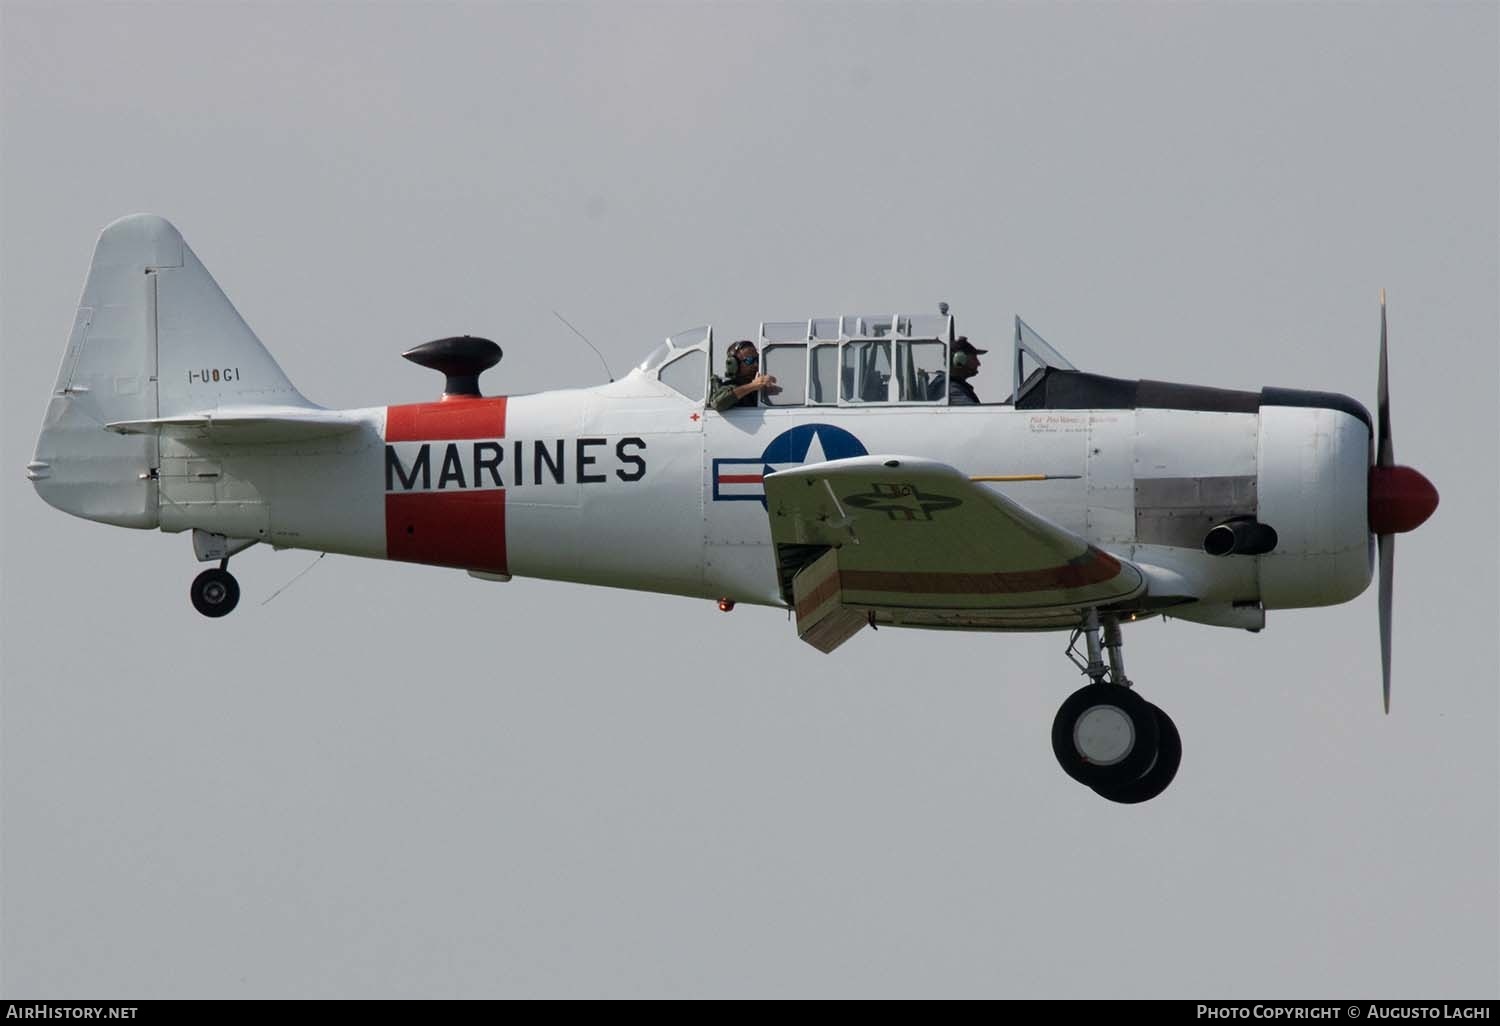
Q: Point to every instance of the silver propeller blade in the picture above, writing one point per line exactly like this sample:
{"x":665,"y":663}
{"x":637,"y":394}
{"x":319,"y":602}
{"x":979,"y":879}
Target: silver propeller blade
{"x":1385,"y":457}
{"x":1385,"y":454}
{"x":1387,"y":568}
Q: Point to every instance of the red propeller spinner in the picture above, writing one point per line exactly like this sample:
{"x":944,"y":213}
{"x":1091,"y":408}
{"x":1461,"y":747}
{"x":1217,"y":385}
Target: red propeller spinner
{"x":1401,"y":500}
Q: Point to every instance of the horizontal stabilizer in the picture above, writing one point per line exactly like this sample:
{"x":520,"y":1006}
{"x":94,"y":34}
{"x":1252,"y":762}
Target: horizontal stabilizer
{"x":259,"y":425}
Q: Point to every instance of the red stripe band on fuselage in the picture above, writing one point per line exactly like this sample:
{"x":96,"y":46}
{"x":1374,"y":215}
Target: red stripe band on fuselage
{"x":741,"y":479}
{"x":464,"y":529}
{"x":448,"y":421}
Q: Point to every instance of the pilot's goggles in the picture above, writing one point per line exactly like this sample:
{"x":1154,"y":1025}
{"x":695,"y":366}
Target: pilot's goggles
{"x":750,"y":361}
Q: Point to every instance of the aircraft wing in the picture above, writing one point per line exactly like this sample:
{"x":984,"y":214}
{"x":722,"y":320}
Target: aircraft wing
{"x":914,"y":542}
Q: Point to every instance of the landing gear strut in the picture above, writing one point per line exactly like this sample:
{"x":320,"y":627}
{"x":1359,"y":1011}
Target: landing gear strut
{"x":1105,"y":735}
{"x":215,"y":592}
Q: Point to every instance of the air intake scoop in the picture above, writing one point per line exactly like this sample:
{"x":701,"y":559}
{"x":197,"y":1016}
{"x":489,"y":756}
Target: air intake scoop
{"x":460,"y":360}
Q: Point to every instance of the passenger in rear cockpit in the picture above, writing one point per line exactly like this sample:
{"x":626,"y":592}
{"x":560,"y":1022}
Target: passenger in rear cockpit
{"x":963,"y":364}
{"x":742,"y":379}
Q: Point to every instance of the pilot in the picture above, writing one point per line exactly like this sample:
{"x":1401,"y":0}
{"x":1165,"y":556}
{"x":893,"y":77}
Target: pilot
{"x":963,"y":364}
{"x":742,"y":378}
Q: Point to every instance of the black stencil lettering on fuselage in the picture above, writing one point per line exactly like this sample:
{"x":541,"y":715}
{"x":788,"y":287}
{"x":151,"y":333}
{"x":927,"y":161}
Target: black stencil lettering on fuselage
{"x":624,"y":457}
{"x":585,"y":461}
{"x":208,"y":375}
{"x":487,"y":456}
{"x":393,"y":470}
{"x":541,"y":454}
{"x":453,"y":468}
{"x":481,"y":464}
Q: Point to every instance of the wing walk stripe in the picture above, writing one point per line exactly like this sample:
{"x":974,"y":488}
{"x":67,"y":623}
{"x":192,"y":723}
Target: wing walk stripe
{"x":824,"y":591}
{"x":1092,"y":567}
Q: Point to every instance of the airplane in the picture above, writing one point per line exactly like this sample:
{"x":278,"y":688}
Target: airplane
{"x":853,"y":495}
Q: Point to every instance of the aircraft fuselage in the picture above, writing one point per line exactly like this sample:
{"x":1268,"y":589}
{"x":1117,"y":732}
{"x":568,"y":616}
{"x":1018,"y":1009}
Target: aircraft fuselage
{"x":625,"y":486}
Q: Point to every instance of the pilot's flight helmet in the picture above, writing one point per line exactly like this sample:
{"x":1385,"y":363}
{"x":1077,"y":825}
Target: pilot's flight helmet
{"x":732,"y":358}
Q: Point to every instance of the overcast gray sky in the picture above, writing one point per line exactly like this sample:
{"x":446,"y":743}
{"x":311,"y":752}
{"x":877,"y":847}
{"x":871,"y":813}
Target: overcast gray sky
{"x":399,"y":781}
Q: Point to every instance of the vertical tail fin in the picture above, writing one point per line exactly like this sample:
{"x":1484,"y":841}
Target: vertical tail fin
{"x":154,"y":337}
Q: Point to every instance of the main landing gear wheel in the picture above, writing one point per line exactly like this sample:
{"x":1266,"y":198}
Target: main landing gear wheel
{"x":215,"y":592}
{"x":1155,"y":780}
{"x":1105,"y":735}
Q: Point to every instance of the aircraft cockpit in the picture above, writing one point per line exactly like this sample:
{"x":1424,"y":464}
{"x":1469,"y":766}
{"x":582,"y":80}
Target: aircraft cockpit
{"x":856,"y":360}
{"x":681,"y":362}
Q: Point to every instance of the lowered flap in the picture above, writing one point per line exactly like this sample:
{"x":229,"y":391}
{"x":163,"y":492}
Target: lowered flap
{"x":823,"y":621}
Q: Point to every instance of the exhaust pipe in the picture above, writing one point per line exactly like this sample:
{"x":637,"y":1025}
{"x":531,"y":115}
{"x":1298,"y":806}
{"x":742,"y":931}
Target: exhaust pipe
{"x":1242,"y":536}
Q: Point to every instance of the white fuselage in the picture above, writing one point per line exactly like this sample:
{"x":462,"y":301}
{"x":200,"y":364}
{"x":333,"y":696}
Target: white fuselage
{"x":632,"y":485}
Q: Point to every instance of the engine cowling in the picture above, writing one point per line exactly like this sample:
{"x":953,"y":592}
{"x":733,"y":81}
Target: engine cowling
{"x":1313,"y":464}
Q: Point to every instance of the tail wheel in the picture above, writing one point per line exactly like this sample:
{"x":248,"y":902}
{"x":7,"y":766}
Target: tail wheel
{"x":215,"y":592}
{"x":1155,"y":779}
{"x":1105,"y":735}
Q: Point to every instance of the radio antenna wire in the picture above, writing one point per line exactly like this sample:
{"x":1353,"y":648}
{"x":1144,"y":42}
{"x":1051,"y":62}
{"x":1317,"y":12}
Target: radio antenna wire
{"x":587,"y":343}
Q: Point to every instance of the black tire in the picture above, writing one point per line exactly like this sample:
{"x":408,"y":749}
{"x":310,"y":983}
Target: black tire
{"x":1139,"y":742}
{"x":1155,"y":779}
{"x":215,"y":592}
